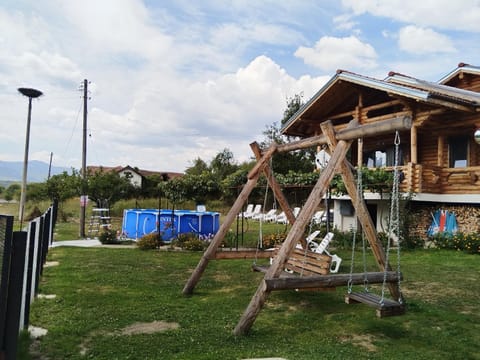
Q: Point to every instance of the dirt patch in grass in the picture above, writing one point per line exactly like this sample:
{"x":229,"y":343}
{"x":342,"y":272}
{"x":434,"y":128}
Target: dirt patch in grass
{"x":134,"y":329}
{"x":149,"y":328}
{"x":365,"y":341}
{"x":51,"y":263}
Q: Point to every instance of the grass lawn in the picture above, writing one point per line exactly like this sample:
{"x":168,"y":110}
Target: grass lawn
{"x":102,"y":292}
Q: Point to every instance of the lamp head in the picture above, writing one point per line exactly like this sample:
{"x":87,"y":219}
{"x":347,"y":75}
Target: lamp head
{"x":31,"y":93}
{"x":476,"y":136}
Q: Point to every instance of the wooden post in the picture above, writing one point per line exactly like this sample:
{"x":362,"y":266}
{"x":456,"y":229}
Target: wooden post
{"x":362,"y":212}
{"x":440,"y":149}
{"x":231,"y":216}
{"x":413,"y":145}
{"x":282,"y":200}
{"x":293,"y":237}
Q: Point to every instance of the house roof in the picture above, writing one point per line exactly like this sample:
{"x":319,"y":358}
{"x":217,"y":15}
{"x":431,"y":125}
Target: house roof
{"x":462,"y":68}
{"x":340,"y":94}
{"x":141,"y":172}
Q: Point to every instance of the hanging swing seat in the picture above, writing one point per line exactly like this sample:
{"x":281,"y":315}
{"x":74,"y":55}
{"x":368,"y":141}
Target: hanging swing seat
{"x":384,"y":308}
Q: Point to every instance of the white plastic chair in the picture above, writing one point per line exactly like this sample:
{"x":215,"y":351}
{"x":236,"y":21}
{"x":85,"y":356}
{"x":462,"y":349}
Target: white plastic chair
{"x":248,"y":211}
{"x":256,"y":210}
{"x":322,"y":248}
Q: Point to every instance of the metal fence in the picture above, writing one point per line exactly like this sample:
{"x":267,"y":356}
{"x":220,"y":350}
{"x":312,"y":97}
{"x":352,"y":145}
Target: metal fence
{"x":22,"y":256}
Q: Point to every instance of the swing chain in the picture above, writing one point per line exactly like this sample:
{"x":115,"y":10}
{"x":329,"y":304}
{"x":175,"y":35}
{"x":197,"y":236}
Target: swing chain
{"x":394,"y":224}
{"x":355,"y":229}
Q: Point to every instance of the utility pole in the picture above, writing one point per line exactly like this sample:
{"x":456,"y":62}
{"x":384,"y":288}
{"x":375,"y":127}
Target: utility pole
{"x":83,"y":197}
{"x":50,"y":166}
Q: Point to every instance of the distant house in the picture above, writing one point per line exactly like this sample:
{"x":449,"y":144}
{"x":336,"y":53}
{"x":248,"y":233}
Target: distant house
{"x":135,"y":175}
{"x":439,"y":155}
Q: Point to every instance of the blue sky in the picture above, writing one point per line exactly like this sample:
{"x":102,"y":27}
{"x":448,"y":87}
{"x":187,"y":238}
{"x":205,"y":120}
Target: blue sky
{"x":175,"y":80}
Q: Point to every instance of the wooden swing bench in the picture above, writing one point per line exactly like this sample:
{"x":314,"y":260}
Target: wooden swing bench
{"x":384,"y":308}
{"x":306,"y":263}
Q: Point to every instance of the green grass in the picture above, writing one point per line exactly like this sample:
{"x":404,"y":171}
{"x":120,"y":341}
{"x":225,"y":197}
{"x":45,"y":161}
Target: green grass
{"x":101,"y":291}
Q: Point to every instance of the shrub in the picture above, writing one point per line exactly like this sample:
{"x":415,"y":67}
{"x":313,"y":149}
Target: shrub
{"x":150,"y":241}
{"x":108,"y":236}
{"x":190,"y":241}
{"x":469,"y":243}
{"x":271,"y":240}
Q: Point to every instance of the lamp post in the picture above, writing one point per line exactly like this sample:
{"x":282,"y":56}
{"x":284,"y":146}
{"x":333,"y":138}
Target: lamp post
{"x":31,"y":94}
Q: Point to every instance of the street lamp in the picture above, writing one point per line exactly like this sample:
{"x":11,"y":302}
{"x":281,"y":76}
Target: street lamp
{"x":31,"y":94}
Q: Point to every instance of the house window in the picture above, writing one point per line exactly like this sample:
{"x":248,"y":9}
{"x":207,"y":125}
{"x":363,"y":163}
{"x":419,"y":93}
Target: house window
{"x":381,"y":158}
{"x":458,"y":151}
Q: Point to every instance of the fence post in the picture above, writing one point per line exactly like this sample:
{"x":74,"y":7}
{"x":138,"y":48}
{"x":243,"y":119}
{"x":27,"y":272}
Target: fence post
{"x":6,"y":231}
{"x":15,"y":287}
{"x":28,"y":276}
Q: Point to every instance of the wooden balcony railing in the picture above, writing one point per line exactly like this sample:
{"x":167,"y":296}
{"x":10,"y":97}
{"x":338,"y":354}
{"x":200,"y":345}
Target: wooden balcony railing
{"x":438,"y":180}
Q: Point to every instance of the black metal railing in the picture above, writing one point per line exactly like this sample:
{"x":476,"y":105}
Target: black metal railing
{"x":22,"y":256}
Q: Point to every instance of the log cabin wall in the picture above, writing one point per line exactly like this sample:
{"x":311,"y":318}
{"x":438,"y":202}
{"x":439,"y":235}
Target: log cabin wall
{"x":466,"y":81}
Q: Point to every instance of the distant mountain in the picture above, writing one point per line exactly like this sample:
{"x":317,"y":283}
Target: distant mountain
{"x":12,"y":171}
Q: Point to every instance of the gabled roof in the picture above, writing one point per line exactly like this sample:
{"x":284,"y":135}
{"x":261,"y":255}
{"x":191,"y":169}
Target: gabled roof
{"x":141,"y":172}
{"x":434,"y":89}
{"x":462,"y":68}
{"x":340,"y":94}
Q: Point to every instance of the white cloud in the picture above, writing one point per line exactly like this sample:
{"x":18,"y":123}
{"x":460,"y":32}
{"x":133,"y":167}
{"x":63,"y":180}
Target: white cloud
{"x":344,"y":22}
{"x":420,"y":41}
{"x":331,"y":53}
{"x":444,"y":14}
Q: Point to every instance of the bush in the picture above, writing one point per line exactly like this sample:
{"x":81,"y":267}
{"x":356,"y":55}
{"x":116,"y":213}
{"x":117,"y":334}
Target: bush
{"x":108,"y":236}
{"x":469,"y":243}
{"x":190,"y":241}
{"x":150,"y":241}
{"x":272,"y":240}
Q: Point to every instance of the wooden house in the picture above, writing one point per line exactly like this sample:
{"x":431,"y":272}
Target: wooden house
{"x":439,"y":157}
{"x":135,"y":175}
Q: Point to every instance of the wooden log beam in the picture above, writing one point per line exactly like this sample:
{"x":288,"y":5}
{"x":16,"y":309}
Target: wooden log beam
{"x":331,"y":280}
{"x":225,"y":226}
{"x":262,"y":162}
{"x":361,"y":211}
{"x":293,"y":237}
{"x":243,"y":254}
{"x":277,"y":190}
{"x":377,"y":128}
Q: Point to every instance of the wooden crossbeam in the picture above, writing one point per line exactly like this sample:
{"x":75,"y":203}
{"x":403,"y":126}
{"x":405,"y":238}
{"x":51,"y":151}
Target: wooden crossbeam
{"x":384,"y":308}
{"x":287,"y":281}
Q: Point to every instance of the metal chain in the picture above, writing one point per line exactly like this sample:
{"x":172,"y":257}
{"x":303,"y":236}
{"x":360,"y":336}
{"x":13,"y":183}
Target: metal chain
{"x":355,"y":229}
{"x":393,"y":227}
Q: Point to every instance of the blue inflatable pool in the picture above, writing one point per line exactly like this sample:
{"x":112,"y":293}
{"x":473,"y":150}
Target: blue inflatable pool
{"x":139,"y":222}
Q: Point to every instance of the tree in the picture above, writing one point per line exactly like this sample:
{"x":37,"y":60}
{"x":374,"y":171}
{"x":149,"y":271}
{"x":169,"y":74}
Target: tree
{"x":223,"y":164}
{"x":13,"y":191}
{"x":296,"y":161}
{"x":107,"y":187}
{"x":64,"y":186}
{"x":199,"y":166}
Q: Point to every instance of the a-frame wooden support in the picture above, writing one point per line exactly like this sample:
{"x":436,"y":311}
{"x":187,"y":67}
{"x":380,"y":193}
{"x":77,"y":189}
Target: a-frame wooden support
{"x":337,"y":162}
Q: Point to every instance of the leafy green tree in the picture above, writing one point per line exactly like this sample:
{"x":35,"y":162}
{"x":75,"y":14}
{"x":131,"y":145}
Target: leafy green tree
{"x":298,"y":161}
{"x":200,"y":188}
{"x":13,"y":191}
{"x":223,"y":164}
{"x":199,"y":167}
{"x":37,"y":191}
{"x":174,"y":190}
{"x":107,"y":187}
{"x":64,"y":186}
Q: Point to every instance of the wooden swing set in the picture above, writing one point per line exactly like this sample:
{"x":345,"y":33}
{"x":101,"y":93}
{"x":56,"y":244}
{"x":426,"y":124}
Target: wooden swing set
{"x":275,"y":278}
